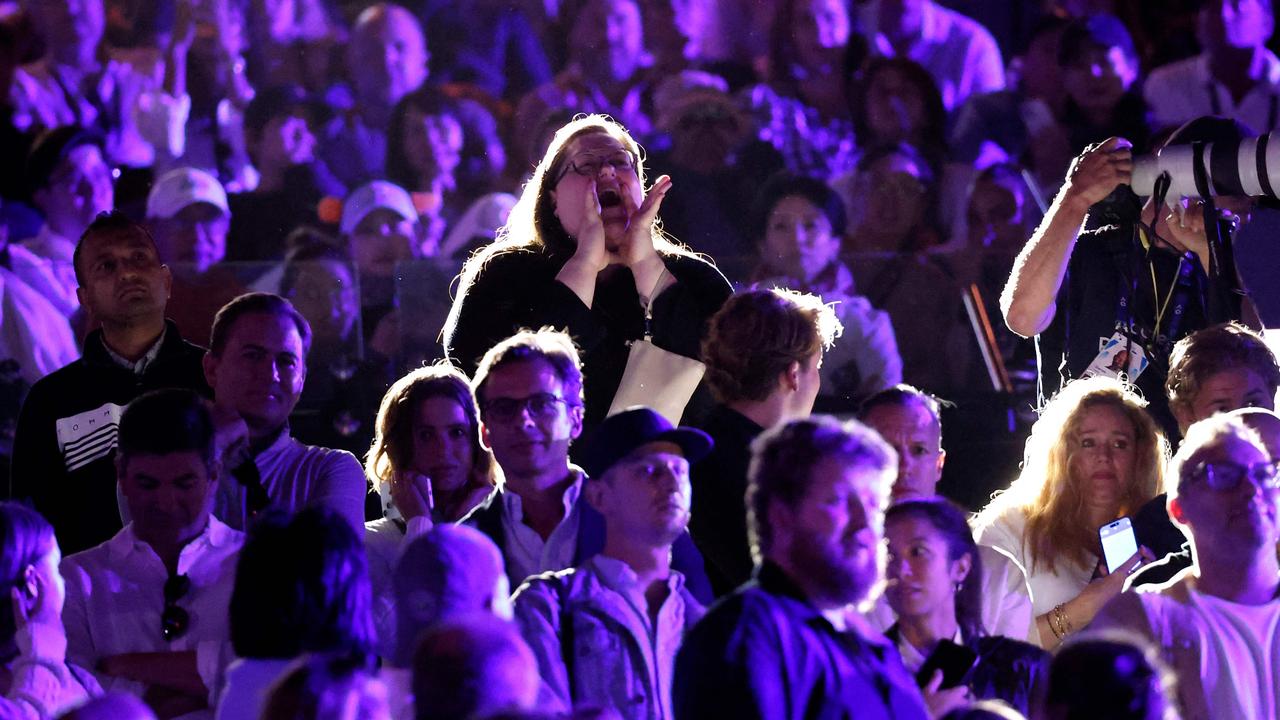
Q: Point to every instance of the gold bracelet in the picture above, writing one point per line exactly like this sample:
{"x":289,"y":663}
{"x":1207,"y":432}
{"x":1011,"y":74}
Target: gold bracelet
{"x":1064,"y":623}
{"x":1053,"y":624}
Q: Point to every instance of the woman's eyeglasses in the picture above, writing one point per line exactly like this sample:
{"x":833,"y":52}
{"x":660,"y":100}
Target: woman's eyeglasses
{"x":175,"y":619}
{"x":589,"y":164}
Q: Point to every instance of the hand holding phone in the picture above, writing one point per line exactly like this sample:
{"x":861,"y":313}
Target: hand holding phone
{"x":954,"y":660}
{"x":1119,"y":543}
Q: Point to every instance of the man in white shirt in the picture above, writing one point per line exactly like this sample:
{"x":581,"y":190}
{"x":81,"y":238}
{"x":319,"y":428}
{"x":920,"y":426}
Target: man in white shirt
{"x":625,"y":607}
{"x":1236,"y":76}
{"x":1218,"y":622}
{"x":529,"y":388}
{"x":256,"y":365}
{"x":909,"y":420}
{"x":958,"y":52}
{"x":149,"y":608}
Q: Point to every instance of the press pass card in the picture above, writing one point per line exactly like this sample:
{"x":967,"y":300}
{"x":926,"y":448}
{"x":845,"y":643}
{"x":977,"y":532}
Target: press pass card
{"x":1119,"y":355}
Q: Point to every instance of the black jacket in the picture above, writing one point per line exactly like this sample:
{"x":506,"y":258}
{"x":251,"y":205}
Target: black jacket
{"x":1007,"y":669}
{"x":73,"y":482}
{"x":719,"y":523}
{"x":518,"y":289}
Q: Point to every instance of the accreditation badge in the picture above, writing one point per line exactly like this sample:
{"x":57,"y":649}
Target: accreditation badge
{"x":1119,"y":355}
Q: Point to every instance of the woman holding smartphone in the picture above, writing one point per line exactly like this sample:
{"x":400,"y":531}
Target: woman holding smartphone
{"x":1094,"y":455}
{"x":935,"y":589}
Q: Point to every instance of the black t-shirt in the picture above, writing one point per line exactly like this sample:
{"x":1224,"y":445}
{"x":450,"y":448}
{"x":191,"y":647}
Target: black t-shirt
{"x":1108,"y":288}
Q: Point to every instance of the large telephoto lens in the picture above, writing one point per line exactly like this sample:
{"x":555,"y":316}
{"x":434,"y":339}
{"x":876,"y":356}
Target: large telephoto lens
{"x":1247,"y":168}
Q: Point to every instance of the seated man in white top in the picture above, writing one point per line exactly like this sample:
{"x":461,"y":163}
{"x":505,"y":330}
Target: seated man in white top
{"x":606,"y":633}
{"x":256,"y":365}
{"x":1217,"y":623}
{"x":1236,"y":76}
{"x":957,"y":50}
{"x":909,"y":420}
{"x":529,"y":389}
{"x":149,"y":608}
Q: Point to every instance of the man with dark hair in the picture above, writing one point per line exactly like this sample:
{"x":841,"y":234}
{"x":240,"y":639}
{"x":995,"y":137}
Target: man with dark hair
{"x":148,"y":609}
{"x":256,"y":365}
{"x":1218,"y":369}
{"x":66,"y":433}
{"x":762,"y":350}
{"x":639,"y":467}
{"x":1132,"y":283}
{"x":529,"y":389}
{"x":784,"y":646}
{"x":910,"y":420}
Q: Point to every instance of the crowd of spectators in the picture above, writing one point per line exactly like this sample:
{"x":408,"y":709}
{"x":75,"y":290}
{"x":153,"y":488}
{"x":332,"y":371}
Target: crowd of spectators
{"x":587,"y":358}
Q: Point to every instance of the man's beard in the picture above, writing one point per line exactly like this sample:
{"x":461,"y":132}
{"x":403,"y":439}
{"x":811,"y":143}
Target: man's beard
{"x":835,"y":570}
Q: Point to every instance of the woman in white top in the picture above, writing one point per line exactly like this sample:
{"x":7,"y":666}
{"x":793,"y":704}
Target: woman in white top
{"x":427,"y":462}
{"x":1093,"y":456}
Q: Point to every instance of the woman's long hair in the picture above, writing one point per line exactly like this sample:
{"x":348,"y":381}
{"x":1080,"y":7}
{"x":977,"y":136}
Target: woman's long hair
{"x":1058,"y":526}
{"x":392,"y":449}
{"x":25,"y":537}
{"x":950,"y":522}
{"x":533,"y":226}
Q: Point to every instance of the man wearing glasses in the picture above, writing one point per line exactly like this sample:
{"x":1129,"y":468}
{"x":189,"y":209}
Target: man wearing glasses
{"x":529,"y":388}
{"x":148,"y":609}
{"x":1218,"y":622}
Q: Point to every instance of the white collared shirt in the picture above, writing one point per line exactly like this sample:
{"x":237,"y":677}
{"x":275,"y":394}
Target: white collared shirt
{"x":912,"y":658}
{"x":139,"y":366}
{"x":957,"y":50}
{"x":115,"y":597}
{"x":526,"y":552}
{"x":1186,"y":90}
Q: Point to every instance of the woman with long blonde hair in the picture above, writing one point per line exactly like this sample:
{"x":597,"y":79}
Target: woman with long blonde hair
{"x":583,"y":251}
{"x":1094,"y":455}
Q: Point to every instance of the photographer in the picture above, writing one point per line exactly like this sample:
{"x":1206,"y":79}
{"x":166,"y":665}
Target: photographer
{"x":1106,"y":286}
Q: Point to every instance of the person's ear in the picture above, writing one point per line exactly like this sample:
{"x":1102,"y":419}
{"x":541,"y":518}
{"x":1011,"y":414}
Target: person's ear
{"x":790,"y":378}
{"x":1177,"y":511}
{"x":942,"y":460}
{"x":30,"y":583}
{"x":209,"y":364}
{"x":960,"y":568}
{"x":1183,"y":415}
{"x":575,"y":419}
{"x":485,"y":442}
{"x":596,"y":493}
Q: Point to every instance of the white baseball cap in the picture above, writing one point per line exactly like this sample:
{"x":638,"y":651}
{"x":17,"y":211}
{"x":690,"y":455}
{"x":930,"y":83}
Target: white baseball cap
{"x":376,"y":195}
{"x":179,"y":188}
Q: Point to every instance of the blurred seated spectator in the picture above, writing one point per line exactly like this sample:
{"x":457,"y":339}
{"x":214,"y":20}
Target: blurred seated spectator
{"x":960,"y":53}
{"x":1214,"y":622}
{"x":256,"y":367}
{"x":295,"y":43}
{"x":188,"y":214}
{"x":112,"y":706}
{"x":386,"y":60}
{"x":328,"y":686}
{"x":1009,"y":125}
{"x":911,"y":422}
{"x":301,"y":586}
{"x":606,"y":632}
{"x":604,"y":73}
{"x":80,"y":82}
{"x":473,"y":666}
{"x":424,"y":148}
{"x":803,"y":110}
{"x":897,"y":101}
{"x":66,"y":432}
{"x":489,"y":44}
{"x":1114,"y":675}
{"x":763,"y":349}
{"x":1235,"y":75}
{"x":893,"y":202}
{"x":38,"y":680}
{"x":344,"y":382}
{"x":1094,"y":455}
{"x":934,"y":583}
{"x":717,"y":164}
{"x":380,"y":228}
{"x":70,"y":184}
{"x":147,"y":609}
{"x":798,"y":223}
{"x":1100,"y":72}
{"x":34,"y":333}
{"x":448,"y":572}
{"x":280,"y":140}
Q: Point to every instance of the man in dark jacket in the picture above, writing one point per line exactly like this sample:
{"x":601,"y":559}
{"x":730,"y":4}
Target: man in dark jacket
{"x":785,"y":645}
{"x":64,"y":447}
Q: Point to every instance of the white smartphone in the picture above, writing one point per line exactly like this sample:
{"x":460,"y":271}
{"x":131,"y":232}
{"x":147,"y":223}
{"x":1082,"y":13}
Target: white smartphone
{"x":1118,"y":542}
